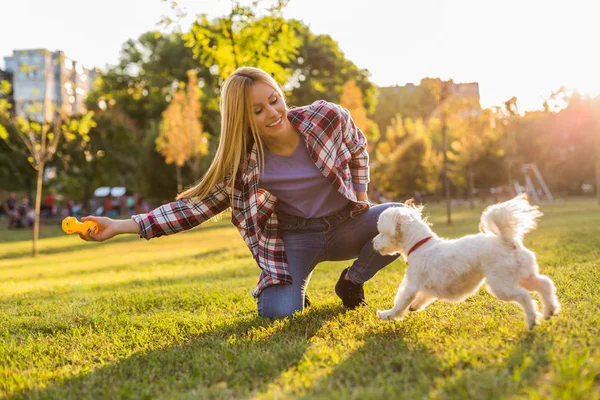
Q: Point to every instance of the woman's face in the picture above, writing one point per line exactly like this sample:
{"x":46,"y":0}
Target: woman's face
{"x":269,"y":111}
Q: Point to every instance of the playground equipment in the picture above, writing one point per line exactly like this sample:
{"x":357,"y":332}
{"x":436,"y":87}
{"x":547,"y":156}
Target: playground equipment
{"x":529,"y":172}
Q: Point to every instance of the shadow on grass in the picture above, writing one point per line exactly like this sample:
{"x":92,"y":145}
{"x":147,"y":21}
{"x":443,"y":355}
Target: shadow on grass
{"x":231,"y":361}
{"x":395,"y":365}
{"x":521,"y":370}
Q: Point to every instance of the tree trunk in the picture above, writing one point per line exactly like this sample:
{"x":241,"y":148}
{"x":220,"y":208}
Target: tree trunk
{"x":88,"y":190}
{"x":471,"y":185}
{"x":511,"y":185}
{"x":508,"y":160}
{"x":445,"y":150}
{"x":195,"y":167}
{"x":38,"y":203}
{"x":178,"y":174}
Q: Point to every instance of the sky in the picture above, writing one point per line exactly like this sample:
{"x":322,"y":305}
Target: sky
{"x":522,"y":48}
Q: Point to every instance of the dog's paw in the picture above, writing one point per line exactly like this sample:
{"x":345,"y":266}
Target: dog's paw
{"x":532,"y":322}
{"x":551,"y":311}
{"x":385,"y":315}
{"x":539,"y":317}
{"x":389,"y":315}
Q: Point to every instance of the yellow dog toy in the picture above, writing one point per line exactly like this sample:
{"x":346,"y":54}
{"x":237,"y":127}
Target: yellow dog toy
{"x":71,"y":225}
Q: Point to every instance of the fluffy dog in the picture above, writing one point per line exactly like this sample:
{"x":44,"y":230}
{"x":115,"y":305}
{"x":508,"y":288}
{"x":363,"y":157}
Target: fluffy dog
{"x":455,"y":269}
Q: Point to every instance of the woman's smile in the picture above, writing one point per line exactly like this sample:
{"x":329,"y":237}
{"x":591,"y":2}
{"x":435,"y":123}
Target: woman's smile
{"x":274,"y":124}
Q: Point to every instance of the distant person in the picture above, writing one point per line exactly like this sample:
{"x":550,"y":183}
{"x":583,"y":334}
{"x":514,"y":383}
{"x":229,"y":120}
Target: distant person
{"x":108,"y":205}
{"x":50,"y":204}
{"x":10,"y":208}
{"x":418,"y":198}
{"x":69,"y":206}
{"x":25,"y":213}
{"x":130,"y":204}
{"x":296,"y":180}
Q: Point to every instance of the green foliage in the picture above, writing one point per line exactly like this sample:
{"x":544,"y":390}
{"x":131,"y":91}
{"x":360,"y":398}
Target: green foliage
{"x":567,"y":142}
{"x":352,"y":100}
{"x":153,"y":66}
{"x":564,"y":143}
{"x":15,"y":171}
{"x":405,"y":160}
{"x":38,"y":139}
{"x":151,"y":69}
{"x":38,"y":130}
{"x":474,"y":135}
{"x":246,"y":37}
{"x":5,"y":88}
{"x":321,"y":70}
{"x":156,"y":183}
{"x":108,"y":158}
{"x":146,"y":77}
{"x":181,"y":139}
{"x":172,"y":318}
{"x":411,"y":101}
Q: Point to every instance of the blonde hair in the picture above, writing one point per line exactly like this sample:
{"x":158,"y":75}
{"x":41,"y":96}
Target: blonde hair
{"x":238,"y":131}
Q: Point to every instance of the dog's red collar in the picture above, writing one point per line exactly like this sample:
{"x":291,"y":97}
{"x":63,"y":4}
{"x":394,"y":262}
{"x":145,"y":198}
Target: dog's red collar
{"x":418,"y":244}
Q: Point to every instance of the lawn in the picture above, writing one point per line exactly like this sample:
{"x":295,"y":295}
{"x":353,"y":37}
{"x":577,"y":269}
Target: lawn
{"x":172,"y":318}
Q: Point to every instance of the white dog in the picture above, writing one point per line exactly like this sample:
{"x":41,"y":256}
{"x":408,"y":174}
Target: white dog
{"x":455,"y":269}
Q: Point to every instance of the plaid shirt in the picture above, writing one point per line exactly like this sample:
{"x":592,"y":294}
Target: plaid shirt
{"x":337,"y":147}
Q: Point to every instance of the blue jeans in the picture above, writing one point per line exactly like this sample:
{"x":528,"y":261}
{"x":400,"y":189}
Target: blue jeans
{"x":309,"y":241}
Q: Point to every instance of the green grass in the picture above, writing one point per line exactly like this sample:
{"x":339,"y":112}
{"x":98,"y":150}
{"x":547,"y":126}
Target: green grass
{"x":172,"y":318}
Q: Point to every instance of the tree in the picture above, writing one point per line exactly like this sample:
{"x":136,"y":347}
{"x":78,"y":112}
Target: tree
{"x":321,"y":70}
{"x":441,"y":94}
{"x":140,"y":87}
{"x":405,"y":161}
{"x":39,"y":134}
{"x":475,"y":135}
{"x":574,"y":133}
{"x":511,"y":133}
{"x":181,"y":138}
{"x":352,"y":100}
{"x":15,"y":172}
{"x":147,"y":75}
{"x":410,"y":101}
{"x":245,"y":37}
{"x":108,"y":158}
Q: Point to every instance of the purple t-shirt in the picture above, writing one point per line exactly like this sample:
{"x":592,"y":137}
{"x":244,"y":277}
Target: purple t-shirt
{"x":301,"y":188}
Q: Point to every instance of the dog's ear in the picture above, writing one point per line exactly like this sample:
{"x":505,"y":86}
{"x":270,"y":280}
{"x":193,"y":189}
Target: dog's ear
{"x":401,"y":216}
{"x":395,"y":221}
{"x":390,"y":221}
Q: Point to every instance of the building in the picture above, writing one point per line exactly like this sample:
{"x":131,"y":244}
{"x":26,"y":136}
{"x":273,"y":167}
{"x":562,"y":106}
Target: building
{"x":460,"y":90}
{"x":470,"y":93}
{"x":39,"y":74}
{"x":470,"y":89}
{"x":422,"y":100}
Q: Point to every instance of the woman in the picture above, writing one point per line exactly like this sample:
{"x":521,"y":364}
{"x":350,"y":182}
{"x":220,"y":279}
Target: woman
{"x":296,"y":182}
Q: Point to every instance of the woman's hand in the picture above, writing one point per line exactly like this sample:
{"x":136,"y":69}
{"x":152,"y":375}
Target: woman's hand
{"x":108,"y":228}
{"x":361,"y":196}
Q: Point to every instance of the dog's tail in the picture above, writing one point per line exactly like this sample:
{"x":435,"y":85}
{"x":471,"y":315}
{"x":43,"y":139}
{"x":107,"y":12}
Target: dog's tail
{"x":510,"y":220}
